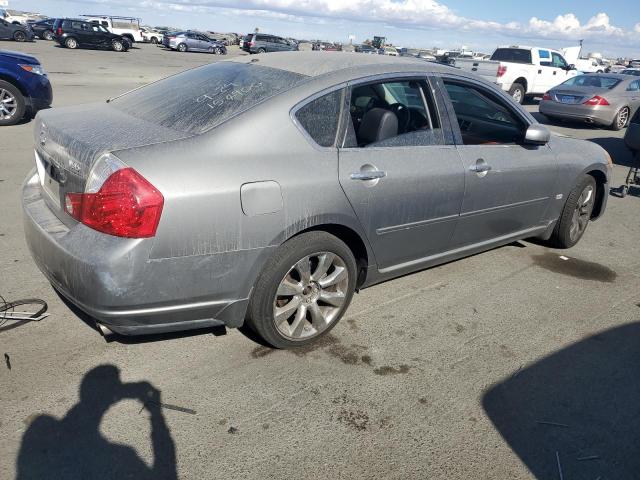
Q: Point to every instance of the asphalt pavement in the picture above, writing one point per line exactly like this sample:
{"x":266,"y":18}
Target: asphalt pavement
{"x":518,"y":363}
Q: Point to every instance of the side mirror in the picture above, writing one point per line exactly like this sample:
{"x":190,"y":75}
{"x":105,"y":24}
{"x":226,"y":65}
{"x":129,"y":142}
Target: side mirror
{"x":537,"y":135}
{"x":571,"y":67}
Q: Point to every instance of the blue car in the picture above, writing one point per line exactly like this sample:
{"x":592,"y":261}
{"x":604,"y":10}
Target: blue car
{"x":24,"y":87}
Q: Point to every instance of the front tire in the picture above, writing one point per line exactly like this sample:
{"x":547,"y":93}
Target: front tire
{"x":576,"y":214}
{"x":117,"y":46}
{"x":303,"y":290}
{"x":517,"y":92}
{"x":621,"y":119}
{"x":12,"y":104}
{"x":47,"y":35}
{"x":154,"y":41}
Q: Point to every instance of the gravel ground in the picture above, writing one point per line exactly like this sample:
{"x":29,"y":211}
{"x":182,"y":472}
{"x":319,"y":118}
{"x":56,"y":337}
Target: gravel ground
{"x":512,"y":364}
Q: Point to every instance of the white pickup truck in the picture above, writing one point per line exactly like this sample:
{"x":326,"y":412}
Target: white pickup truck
{"x":128,"y":27}
{"x":522,"y":71}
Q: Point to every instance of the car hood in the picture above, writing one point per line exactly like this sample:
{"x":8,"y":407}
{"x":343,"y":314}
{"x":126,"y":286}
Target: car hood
{"x":18,"y":57}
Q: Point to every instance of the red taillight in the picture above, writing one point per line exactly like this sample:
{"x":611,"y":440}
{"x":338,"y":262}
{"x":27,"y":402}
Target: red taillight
{"x":59,"y":31}
{"x":252,"y":44}
{"x":126,"y":205}
{"x":597,"y":100}
{"x":502,"y":69}
{"x":546,"y":96}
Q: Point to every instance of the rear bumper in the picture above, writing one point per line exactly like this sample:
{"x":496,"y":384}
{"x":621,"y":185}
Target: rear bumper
{"x":114,"y":281}
{"x":595,"y":115}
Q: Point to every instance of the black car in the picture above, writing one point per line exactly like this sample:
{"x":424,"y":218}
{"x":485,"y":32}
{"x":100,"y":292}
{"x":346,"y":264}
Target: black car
{"x":17,"y":32}
{"x":43,"y":28}
{"x":73,"y":33}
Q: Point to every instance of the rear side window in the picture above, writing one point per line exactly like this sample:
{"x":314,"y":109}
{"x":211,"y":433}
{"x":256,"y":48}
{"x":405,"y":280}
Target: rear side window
{"x":199,"y":99}
{"x":320,"y":118}
{"x":514,"y":55}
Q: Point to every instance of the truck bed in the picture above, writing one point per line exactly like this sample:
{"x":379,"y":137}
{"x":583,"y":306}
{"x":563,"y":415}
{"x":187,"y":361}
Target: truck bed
{"x":487,"y":69}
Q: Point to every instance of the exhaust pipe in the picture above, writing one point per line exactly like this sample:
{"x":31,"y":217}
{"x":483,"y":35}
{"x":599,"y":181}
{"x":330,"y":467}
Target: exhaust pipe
{"x":106,"y":333}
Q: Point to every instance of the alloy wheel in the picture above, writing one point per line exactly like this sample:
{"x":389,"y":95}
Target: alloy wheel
{"x":517,"y":96}
{"x":19,"y":37}
{"x":8,"y":105}
{"x":623,"y":117}
{"x":311,"y":296}
{"x":582,"y":213}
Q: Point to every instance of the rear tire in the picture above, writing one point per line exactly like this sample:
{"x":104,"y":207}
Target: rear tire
{"x":517,"y":92}
{"x":621,"y":119}
{"x":262,"y":50}
{"x":282,"y":283}
{"x":71,"y":43}
{"x":182,"y":48}
{"x":20,"y":36}
{"x":13,"y":104}
{"x":576,"y":214}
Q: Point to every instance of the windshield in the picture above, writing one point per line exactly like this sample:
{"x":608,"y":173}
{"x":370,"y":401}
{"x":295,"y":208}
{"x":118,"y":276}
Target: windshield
{"x":197,"y":100}
{"x":592,"y":81}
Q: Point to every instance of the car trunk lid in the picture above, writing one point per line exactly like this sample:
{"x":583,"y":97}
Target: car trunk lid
{"x":69,"y":141}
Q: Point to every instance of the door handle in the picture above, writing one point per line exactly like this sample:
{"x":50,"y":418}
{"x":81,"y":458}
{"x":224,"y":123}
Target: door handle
{"x":371,"y":175}
{"x":480,"y":167}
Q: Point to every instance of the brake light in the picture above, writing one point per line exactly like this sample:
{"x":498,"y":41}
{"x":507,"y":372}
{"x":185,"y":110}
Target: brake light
{"x":59,"y":31}
{"x":597,"y":100}
{"x":126,"y":205}
{"x":546,"y":96}
{"x":502,"y":69}
{"x":252,"y":44}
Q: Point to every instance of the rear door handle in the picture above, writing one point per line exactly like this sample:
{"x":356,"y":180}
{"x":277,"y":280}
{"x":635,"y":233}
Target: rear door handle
{"x":372,"y":175}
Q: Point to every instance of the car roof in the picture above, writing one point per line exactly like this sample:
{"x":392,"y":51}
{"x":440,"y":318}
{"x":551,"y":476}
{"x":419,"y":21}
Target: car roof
{"x":316,"y":63}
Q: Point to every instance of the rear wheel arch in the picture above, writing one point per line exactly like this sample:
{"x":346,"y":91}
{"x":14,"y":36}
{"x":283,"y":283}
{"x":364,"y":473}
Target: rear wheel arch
{"x":523,"y":81}
{"x":351,"y":238}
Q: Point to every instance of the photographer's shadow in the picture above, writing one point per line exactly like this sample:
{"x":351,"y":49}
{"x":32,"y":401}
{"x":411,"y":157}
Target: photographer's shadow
{"x":74,"y":448}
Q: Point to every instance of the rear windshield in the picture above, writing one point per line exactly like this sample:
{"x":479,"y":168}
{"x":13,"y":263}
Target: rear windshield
{"x":197,"y":100}
{"x":592,"y":81}
{"x":514,"y":55}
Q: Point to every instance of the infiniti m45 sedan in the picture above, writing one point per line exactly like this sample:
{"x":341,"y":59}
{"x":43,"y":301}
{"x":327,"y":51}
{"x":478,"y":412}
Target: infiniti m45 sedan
{"x":268,"y":189}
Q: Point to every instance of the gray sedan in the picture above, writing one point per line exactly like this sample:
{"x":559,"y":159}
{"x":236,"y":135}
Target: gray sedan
{"x":608,"y":100}
{"x":270,"y":189}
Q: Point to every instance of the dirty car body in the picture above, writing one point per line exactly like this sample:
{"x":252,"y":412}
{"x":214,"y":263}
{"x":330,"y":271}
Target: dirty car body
{"x":380,"y":152}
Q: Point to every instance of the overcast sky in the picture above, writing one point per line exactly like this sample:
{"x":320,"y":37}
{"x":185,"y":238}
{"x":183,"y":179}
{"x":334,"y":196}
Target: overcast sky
{"x":611,"y":27}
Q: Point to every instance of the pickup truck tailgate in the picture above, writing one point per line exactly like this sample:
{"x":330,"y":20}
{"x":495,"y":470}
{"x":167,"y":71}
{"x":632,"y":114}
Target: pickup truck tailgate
{"x":487,"y":69}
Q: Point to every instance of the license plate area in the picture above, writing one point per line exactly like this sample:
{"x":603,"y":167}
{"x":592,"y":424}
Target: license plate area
{"x":567,"y":99}
{"x":49,"y":175}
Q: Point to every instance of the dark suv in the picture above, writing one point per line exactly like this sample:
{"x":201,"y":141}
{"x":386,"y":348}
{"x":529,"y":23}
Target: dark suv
{"x":261,"y":43}
{"x":73,"y":33}
{"x":44,"y":28}
{"x":17,"y":32}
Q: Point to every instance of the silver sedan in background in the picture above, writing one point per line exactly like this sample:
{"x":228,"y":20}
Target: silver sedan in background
{"x":608,"y":100}
{"x":270,"y":188}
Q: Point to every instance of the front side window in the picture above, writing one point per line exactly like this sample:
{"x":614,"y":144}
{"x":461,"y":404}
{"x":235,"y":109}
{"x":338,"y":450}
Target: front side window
{"x":557,"y":61}
{"x":634,"y":86}
{"x":483,"y":118}
{"x":320,"y":118}
{"x":398,"y":113}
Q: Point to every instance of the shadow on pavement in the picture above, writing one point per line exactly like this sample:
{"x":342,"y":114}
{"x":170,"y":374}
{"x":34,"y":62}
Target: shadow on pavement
{"x":73,"y":447}
{"x":580,"y":405}
{"x":616,"y":147}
